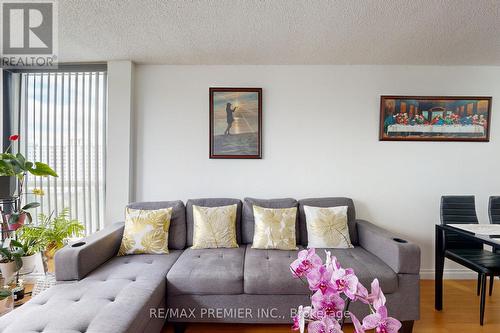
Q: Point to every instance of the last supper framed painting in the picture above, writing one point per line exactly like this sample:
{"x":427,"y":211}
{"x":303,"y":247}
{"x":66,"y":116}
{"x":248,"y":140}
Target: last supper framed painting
{"x":432,"y":118}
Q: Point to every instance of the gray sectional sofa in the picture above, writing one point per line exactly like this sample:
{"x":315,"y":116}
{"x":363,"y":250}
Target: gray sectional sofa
{"x":99,"y":292}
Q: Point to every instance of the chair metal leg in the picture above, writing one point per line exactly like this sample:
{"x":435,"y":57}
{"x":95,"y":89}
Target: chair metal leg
{"x":407,"y":326}
{"x":483,"y":298}
{"x":478,"y":283}
{"x":492,"y":280}
{"x":179,"y":327}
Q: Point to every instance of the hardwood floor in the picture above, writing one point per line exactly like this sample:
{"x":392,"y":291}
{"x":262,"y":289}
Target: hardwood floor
{"x":460,"y":313}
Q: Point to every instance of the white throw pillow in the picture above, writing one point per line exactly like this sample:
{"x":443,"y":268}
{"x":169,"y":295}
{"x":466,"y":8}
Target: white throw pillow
{"x":327,"y":227}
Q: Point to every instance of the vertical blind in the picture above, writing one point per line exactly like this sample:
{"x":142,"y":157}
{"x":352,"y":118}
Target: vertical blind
{"x":62,"y":123}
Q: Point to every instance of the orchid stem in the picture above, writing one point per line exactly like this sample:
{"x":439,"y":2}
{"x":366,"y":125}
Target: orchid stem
{"x":348,"y":302}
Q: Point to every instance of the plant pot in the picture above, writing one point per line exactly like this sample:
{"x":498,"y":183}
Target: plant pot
{"x":7,"y":186}
{"x":9,"y":270}
{"x":29,"y":263}
{"x":48,"y":261}
{"x":6,"y":305}
{"x":18,"y":224}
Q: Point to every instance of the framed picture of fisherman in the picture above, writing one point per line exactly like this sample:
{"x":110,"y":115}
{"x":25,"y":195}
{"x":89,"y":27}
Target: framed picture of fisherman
{"x":430,"y":118}
{"x":235,"y":122}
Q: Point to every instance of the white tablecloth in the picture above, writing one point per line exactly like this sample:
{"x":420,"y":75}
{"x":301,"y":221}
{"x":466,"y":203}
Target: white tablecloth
{"x":463,"y":129}
{"x":479,"y":229}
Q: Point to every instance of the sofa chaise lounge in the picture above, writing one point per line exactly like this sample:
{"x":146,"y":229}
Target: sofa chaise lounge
{"x":100,"y":292}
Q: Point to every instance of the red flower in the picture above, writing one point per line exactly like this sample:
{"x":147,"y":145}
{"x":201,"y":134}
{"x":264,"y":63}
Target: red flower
{"x":14,"y":137}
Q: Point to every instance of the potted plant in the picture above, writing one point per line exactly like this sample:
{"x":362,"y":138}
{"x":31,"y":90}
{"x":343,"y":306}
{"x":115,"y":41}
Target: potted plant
{"x":16,"y":165}
{"x":51,"y":234}
{"x":10,"y":262}
{"x":333,"y":289}
{"x":6,"y":301}
{"x":31,"y":247}
{"x":16,"y":219}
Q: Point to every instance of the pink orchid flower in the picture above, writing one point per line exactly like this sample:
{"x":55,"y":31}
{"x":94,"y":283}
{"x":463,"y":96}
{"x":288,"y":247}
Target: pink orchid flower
{"x":299,"y":320}
{"x":381,"y":322}
{"x":376,"y":297}
{"x":358,"y":328}
{"x":345,"y":281}
{"x":329,"y":258}
{"x":325,"y":325}
{"x":320,"y":278}
{"x":296,"y":324}
{"x":306,"y":261}
{"x":361,"y":294}
{"x":327,"y":304}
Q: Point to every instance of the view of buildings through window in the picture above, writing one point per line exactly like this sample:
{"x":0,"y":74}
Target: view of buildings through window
{"x":62,"y":122}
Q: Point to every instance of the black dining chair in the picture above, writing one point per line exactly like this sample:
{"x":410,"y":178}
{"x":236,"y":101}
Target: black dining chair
{"x":494,"y":214}
{"x":494,"y":209}
{"x":468,"y":253}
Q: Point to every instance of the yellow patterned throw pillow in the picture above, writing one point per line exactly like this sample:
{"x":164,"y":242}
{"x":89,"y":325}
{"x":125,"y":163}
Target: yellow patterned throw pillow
{"x":214,"y":227}
{"x":327,"y":227}
{"x":146,"y":231}
{"x":274,"y":228}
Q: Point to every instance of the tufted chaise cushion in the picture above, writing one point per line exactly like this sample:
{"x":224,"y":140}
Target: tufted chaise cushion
{"x":115,"y":298}
{"x":267,"y":272}
{"x":207,"y":272}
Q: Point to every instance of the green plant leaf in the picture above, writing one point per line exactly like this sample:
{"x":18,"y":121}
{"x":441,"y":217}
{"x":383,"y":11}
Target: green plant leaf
{"x":4,"y":293}
{"x":15,"y":243}
{"x":18,"y":261}
{"x":31,"y":205}
{"x":28,"y":165}
{"x":8,"y":156}
{"x":18,"y":251}
{"x":21,"y":160}
{"x":5,"y":253}
{"x":42,"y":169}
{"x":14,"y":217}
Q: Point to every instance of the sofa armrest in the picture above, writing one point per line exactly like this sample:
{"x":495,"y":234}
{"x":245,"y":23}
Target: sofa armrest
{"x":74,"y":263}
{"x":401,"y":255}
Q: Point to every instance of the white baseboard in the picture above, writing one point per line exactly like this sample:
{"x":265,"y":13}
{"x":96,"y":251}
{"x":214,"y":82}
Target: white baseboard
{"x":449,"y":274}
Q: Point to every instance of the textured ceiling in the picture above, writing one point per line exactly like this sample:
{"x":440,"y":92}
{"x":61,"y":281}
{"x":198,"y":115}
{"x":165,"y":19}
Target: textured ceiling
{"x":423,"y":32}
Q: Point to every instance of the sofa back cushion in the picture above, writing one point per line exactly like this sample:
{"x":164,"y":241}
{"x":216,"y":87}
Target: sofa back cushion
{"x":248,"y":222}
{"x":177,"y":230}
{"x":211,"y":202}
{"x":328,"y":202}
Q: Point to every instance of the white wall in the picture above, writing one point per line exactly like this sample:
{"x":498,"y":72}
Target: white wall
{"x":320,"y":138}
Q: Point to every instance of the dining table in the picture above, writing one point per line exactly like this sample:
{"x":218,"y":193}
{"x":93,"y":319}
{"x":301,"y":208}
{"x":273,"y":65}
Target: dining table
{"x":488,"y":234}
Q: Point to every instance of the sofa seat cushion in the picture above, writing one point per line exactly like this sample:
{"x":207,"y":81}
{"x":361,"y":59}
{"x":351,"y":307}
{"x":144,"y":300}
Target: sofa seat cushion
{"x":367,"y":267}
{"x":115,"y":298}
{"x":267,"y":272}
{"x":207,"y":272}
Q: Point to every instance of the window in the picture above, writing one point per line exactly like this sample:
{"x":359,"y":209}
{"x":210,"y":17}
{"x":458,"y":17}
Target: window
{"x":62,"y":122}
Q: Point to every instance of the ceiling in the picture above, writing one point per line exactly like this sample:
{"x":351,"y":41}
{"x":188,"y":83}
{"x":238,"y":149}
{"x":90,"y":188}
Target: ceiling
{"x":412,"y":32}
